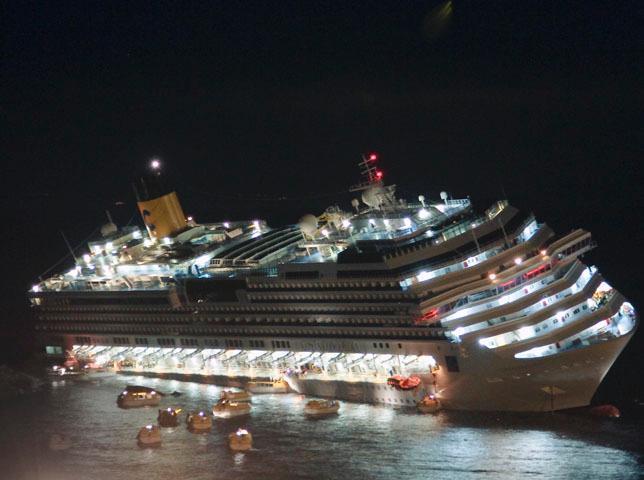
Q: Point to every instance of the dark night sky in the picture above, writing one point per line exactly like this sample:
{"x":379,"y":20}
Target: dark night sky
{"x":250,"y":102}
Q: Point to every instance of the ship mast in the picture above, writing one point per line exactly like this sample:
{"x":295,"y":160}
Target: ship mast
{"x":371,"y":174}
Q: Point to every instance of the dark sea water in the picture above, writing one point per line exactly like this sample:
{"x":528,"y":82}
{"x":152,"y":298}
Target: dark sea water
{"x":364,"y":441}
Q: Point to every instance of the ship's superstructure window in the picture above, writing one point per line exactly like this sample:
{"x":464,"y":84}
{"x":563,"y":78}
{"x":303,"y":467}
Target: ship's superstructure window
{"x":452,"y":363}
{"x":166,"y":342}
{"x":140,"y":340}
{"x":189,"y":342}
{"x":486,"y":294}
{"x":535,"y":308}
{"x":234,"y":343}
{"x":83,"y":340}
{"x":53,"y":350}
{"x":121,"y":340}
{"x":552,"y":322}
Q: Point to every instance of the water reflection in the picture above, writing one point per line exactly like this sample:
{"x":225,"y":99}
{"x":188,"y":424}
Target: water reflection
{"x":363,"y":441}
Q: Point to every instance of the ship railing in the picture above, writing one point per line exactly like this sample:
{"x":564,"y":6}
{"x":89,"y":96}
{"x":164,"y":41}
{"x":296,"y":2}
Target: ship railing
{"x":458,"y":202}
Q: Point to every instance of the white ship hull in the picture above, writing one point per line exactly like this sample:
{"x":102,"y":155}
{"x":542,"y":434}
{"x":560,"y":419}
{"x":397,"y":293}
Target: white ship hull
{"x":508,"y":385}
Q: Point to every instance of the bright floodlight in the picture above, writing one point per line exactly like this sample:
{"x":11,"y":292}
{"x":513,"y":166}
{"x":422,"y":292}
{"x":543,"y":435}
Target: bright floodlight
{"x":155,"y":164}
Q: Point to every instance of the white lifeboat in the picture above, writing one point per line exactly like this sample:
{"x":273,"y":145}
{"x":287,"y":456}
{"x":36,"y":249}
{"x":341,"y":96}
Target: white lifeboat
{"x":275,"y":386}
{"x":321,"y":407}
{"x":199,"y":422}
{"x":226,"y":409}
{"x":241,"y":440}
{"x":233,"y":396}
{"x":149,"y":436}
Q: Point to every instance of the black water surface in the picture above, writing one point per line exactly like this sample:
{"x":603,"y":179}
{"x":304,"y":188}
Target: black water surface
{"x":364,"y":441}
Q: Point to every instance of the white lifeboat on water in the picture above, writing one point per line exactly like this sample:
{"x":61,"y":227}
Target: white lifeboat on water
{"x":226,"y":409}
{"x":199,"y":422}
{"x":232,"y":396}
{"x":275,"y":386}
{"x":136,"y":396}
{"x":149,"y":436}
{"x":241,"y":440}
{"x":315,"y":408}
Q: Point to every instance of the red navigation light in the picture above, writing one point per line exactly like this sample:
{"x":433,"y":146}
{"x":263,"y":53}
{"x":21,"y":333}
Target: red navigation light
{"x":373,"y":157}
{"x":379,"y":174}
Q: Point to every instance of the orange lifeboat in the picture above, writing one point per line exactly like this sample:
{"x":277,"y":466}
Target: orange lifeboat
{"x":403,"y":383}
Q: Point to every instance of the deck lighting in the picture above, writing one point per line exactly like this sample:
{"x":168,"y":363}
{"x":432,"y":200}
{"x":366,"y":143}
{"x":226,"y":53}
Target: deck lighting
{"x":518,"y":260}
{"x":226,"y":225}
{"x":492,"y":276}
{"x":346,"y":223}
{"x":423,"y":214}
{"x":155,"y":164}
{"x":543,"y":252}
{"x":407,"y":222}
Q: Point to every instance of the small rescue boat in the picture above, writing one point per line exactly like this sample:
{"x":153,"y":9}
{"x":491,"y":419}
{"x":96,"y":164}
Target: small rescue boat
{"x":233,"y":396}
{"x":149,"y":436}
{"x":429,"y":404}
{"x":226,"y":409}
{"x":321,"y":407}
{"x":199,"y":422}
{"x":136,"y":396}
{"x":169,"y":417}
{"x":241,"y":440}
{"x":275,"y":386}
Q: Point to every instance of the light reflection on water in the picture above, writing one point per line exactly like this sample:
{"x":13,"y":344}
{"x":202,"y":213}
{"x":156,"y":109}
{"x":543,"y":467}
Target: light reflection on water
{"x":364,"y":441}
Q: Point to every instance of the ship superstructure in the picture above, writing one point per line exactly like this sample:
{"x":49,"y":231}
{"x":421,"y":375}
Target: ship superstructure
{"x":491,"y":310}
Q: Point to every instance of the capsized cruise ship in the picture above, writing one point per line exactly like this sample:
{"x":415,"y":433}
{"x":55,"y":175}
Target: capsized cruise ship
{"x":490,"y":310}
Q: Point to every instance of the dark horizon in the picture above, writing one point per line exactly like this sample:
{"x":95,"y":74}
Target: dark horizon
{"x":264,"y":112}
